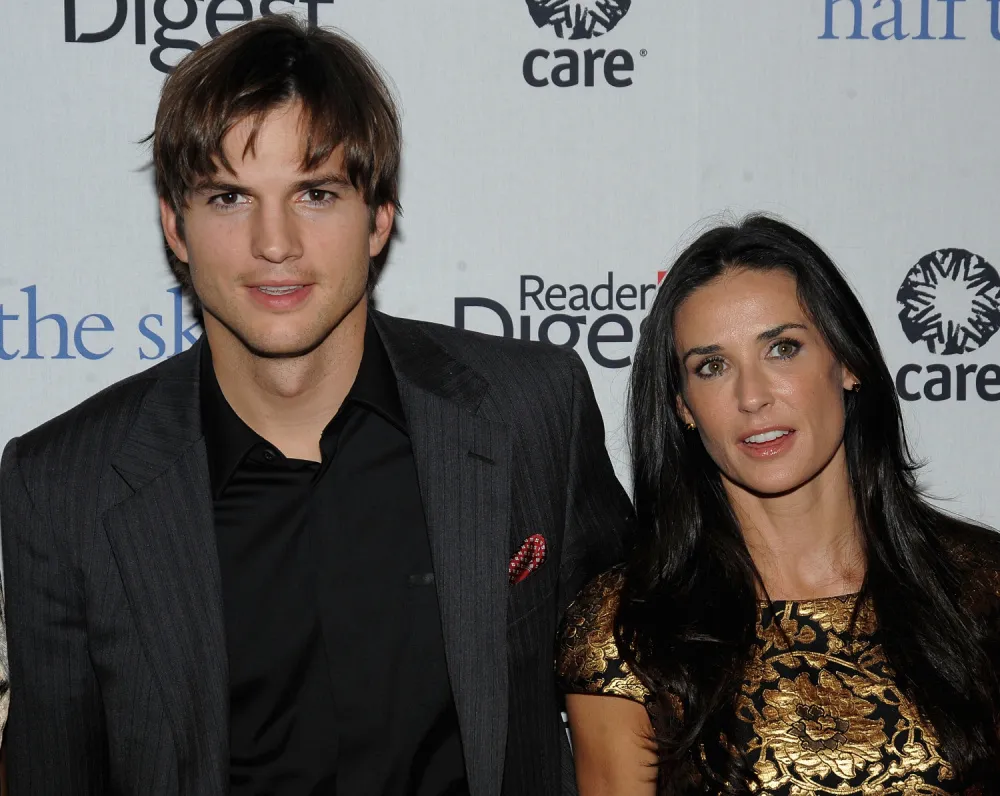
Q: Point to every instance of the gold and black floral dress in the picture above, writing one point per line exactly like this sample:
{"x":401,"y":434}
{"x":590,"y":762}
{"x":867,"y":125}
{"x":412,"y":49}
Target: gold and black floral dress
{"x":821,"y":712}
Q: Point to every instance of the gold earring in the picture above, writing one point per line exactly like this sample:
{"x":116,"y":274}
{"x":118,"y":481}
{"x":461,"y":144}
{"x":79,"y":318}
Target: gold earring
{"x":856,"y":387}
{"x":690,"y":426}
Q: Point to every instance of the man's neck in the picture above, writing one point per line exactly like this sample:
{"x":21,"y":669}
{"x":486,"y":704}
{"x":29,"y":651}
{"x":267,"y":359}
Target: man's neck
{"x":805,"y":544}
{"x":290,"y":401}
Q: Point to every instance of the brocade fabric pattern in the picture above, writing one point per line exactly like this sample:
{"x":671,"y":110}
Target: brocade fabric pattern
{"x":819,"y":707}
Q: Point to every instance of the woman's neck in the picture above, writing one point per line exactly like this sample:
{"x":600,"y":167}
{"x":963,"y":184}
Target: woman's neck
{"x":805,"y":543}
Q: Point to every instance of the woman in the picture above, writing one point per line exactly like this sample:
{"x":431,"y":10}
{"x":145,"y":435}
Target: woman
{"x":795,"y":618}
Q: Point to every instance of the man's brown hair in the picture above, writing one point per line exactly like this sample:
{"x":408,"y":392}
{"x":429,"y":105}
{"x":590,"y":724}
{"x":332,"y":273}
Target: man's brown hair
{"x":251,"y":70}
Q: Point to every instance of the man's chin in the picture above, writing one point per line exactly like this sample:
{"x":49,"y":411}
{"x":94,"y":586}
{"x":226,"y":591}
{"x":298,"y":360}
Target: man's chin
{"x":274,"y":338}
{"x":265,"y":345}
{"x":291,"y":349}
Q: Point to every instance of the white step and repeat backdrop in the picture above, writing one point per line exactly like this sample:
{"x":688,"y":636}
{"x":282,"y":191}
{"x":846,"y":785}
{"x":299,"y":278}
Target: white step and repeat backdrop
{"x":557,"y":154}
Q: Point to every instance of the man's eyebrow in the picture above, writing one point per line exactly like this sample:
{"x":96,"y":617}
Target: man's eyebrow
{"x":208,"y":185}
{"x":333,"y":179}
{"x":767,"y":334}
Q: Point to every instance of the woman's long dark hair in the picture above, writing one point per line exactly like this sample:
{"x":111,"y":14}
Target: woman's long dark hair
{"x":687,"y":623}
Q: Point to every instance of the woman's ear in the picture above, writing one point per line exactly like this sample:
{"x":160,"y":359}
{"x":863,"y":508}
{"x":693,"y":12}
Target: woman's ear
{"x":683,"y":412}
{"x":850,"y":381}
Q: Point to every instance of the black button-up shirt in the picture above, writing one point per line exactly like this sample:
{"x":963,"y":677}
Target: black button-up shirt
{"x":336,"y":658}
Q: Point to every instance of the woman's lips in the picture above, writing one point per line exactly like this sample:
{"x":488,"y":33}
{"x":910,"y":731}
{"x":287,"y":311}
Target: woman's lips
{"x":768,"y":447}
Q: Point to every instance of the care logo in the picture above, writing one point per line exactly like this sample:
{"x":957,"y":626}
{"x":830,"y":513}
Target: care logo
{"x":950,"y":302}
{"x":98,"y":21}
{"x":578,"y":21}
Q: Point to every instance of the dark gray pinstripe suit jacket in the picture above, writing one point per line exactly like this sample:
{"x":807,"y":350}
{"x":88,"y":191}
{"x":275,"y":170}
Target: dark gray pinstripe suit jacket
{"x":119,"y":681}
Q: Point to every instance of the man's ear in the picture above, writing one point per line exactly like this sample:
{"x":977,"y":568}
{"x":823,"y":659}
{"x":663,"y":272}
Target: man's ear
{"x":172,"y":230}
{"x":381,"y":228}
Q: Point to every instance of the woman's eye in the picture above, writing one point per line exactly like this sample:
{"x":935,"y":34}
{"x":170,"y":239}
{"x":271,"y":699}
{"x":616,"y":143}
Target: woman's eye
{"x":784,"y":349}
{"x":712,"y":367}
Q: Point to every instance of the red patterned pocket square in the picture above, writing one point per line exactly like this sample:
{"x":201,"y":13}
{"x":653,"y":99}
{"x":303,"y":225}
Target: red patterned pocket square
{"x":527,"y":559}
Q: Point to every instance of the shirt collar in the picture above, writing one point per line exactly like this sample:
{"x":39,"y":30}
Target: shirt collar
{"x":228,"y":439}
{"x":375,"y":385}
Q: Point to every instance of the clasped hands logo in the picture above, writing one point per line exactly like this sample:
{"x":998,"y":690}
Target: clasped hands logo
{"x":950,"y":301}
{"x":576,"y":21}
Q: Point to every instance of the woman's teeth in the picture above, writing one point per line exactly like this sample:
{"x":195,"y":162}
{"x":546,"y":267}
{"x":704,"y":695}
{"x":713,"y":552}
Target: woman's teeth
{"x":767,"y":436}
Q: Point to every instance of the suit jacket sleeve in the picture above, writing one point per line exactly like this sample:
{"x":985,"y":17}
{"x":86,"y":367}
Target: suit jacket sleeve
{"x":54,"y":735}
{"x":598,"y":512}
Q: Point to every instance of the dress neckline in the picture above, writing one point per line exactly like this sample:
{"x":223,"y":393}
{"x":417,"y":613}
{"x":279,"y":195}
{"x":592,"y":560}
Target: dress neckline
{"x":850,"y":597}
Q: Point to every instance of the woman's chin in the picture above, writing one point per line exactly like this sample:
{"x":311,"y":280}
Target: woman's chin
{"x":770,"y":485}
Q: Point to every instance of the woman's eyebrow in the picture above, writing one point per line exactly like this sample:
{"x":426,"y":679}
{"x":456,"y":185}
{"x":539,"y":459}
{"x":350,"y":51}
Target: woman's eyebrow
{"x":770,"y":334}
{"x":767,"y":334}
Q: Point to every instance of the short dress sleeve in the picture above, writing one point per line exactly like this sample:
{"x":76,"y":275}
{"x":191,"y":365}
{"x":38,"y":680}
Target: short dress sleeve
{"x":588,"y":661}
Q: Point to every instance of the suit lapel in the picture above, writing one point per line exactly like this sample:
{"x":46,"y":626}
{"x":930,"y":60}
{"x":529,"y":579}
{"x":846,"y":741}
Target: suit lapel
{"x":463,"y":467}
{"x":163,"y":538}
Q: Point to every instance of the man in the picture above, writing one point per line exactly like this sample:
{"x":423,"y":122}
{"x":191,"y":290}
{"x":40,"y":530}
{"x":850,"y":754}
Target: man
{"x":325,"y":550}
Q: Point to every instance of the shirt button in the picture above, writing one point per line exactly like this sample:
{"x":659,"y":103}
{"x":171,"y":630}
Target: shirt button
{"x":269,"y":455}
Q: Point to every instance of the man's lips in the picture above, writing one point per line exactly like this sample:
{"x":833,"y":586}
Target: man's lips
{"x":276,"y":283}
{"x":280,"y":295}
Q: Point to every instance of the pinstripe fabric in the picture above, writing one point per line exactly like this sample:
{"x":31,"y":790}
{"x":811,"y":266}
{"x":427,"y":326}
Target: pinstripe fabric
{"x":558,"y":482}
{"x":466,"y":502}
{"x":118,"y":662}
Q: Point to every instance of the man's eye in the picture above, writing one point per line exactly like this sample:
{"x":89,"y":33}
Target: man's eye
{"x":319,"y":196}
{"x":230,"y":199}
